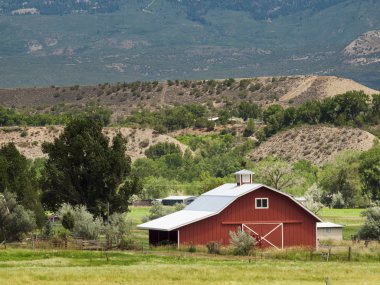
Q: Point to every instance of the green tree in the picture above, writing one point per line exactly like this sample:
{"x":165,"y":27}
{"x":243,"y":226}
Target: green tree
{"x":224,"y":116}
{"x":250,"y":128}
{"x":158,"y":187}
{"x":17,"y":175}
{"x":309,"y":112}
{"x":369,"y":170}
{"x":15,"y":220}
{"x":290,"y":116}
{"x":247,"y":110}
{"x":341,"y":175}
{"x":68,"y":221}
{"x":376,"y":108}
{"x":371,"y":227}
{"x":275,"y":173}
{"x":274,"y":118}
{"x":161,"y":149}
{"x":82,"y":169}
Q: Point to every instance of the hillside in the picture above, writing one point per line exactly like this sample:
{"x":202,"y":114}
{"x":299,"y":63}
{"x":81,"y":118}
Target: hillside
{"x":317,"y":144}
{"x":365,"y":49}
{"x":124,"y":98}
{"x":84,"y":42}
{"x":28,"y":140}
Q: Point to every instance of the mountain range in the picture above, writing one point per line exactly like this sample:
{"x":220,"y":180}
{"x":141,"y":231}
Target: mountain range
{"x":67,"y":42}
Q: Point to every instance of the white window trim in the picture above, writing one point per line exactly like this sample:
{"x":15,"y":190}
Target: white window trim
{"x":262,"y":198}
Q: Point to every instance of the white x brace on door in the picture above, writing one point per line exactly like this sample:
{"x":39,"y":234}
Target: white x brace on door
{"x":265,"y":236}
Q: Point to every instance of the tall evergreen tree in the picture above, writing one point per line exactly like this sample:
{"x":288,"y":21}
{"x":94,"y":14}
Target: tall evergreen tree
{"x":83,"y":169}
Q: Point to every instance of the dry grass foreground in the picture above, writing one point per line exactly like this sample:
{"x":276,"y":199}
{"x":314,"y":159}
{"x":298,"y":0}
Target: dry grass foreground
{"x":19,"y":267}
{"x":317,"y":144}
{"x":28,"y":140}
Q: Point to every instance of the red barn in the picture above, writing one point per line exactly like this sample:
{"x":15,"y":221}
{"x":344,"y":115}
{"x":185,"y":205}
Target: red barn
{"x":274,"y":218}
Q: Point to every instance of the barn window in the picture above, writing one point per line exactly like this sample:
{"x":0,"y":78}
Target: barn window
{"x":261,"y":203}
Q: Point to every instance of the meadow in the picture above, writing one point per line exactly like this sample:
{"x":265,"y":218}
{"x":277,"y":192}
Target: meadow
{"x":170,"y":266}
{"x":79,"y":267}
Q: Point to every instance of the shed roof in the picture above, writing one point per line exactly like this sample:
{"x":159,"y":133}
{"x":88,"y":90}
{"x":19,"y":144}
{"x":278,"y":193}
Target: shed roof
{"x":178,"y":197}
{"x":328,"y":225}
{"x":244,"y":171}
{"x":209,"y":204}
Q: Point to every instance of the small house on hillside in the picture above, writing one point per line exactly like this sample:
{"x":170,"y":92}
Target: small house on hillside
{"x":273,"y":218}
{"x":172,"y":200}
{"x":327,"y":230}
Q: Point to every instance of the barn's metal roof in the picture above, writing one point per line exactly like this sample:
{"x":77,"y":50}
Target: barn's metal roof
{"x":328,"y":225}
{"x":232,"y":190}
{"x":209,"y":204}
{"x":175,"y":220}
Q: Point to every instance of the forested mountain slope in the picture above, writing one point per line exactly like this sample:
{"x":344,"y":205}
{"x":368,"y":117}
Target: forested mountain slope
{"x":86,"y":42}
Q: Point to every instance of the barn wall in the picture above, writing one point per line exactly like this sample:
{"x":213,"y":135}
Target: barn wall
{"x":299,"y":225}
{"x":330,"y":233}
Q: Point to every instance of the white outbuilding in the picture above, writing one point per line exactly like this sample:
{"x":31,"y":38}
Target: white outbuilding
{"x":327,"y":230}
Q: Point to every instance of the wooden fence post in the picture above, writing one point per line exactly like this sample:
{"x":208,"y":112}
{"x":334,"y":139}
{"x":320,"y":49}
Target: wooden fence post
{"x":349,"y":253}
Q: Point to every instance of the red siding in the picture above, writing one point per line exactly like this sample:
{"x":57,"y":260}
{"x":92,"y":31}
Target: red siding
{"x":299,"y":225}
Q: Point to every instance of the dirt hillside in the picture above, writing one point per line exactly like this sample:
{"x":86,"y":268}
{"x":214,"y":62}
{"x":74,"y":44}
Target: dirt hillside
{"x":319,"y":87}
{"x":28,"y":140}
{"x":317,"y":144}
{"x":124,"y":98}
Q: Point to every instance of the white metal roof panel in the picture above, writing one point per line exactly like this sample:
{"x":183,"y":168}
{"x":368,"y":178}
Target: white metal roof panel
{"x":177,"y":197}
{"x":232,"y":190}
{"x":175,"y":220}
{"x":213,"y":204}
{"x":328,"y":225}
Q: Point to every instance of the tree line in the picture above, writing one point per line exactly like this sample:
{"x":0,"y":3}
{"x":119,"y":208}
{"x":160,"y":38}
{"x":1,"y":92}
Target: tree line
{"x":354,"y":108}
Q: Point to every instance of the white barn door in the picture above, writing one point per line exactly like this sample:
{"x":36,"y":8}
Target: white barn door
{"x":266,"y":234}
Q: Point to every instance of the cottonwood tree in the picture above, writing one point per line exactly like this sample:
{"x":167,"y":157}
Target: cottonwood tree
{"x":369,"y":171}
{"x":341,"y":175}
{"x":275,"y":173}
{"x":313,"y":198}
{"x":83,"y":169}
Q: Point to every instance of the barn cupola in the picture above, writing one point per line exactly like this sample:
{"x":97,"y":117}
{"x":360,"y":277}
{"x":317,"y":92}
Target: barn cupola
{"x":244,"y":177}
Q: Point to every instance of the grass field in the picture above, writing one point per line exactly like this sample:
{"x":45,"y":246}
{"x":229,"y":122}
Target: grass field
{"x":169,"y":266}
{"x":78,"y":267}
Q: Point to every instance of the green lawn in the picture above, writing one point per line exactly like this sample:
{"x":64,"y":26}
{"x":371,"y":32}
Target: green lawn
{"x":79,"y":267}
{"x":136,"y":215}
